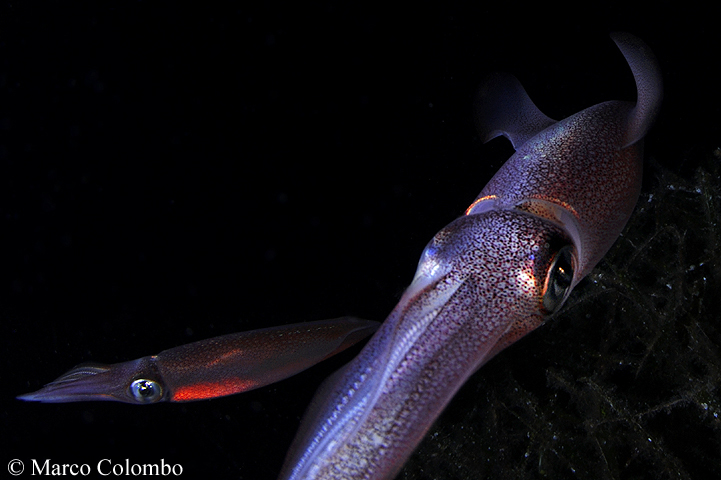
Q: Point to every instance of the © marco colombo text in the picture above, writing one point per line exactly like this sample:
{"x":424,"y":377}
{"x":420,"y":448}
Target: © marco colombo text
{"x":106,"y":467}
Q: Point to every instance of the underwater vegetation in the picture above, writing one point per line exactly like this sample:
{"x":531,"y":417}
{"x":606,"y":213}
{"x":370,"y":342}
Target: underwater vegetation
{"x":624,"y":382}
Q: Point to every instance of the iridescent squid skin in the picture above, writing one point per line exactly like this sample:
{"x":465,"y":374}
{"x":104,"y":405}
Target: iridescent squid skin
{"x":488,"y":278}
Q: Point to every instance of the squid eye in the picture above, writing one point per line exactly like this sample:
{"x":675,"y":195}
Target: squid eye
{"x":145,"y":391}
{"x":559,"y":280}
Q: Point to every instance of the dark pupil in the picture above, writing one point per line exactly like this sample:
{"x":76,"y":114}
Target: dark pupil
{"x":563,"y":275}
{"x":146,"y":389}
{"x":559,"y":280}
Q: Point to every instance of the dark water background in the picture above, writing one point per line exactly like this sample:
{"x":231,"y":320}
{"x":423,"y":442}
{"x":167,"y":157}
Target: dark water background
{"x":174,"y":173}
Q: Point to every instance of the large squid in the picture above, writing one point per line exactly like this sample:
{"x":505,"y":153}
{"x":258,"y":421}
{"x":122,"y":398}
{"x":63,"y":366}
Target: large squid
{"x":484,"y":281}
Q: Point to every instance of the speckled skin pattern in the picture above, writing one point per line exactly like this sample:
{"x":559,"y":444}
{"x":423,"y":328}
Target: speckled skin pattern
{"x":578,"y":162}
{"x":481,"y":280}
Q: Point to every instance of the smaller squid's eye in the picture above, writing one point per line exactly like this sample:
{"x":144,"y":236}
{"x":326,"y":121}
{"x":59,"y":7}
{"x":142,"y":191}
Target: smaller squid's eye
{"x":145,"y":391}
{"x":559,"y":280}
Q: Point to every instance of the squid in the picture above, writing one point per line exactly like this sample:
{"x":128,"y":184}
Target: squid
{"x":487,"y":279}
{"x":210,"y":368}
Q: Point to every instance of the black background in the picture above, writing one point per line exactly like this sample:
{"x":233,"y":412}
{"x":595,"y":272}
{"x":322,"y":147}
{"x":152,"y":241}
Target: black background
{"x":173,"y":173}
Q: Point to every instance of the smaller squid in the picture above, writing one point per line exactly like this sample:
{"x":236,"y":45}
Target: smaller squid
{"x":210,"y":368}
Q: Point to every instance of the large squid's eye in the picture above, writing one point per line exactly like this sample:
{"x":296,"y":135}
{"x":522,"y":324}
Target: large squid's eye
{"x":559,"y":280}
{"x":145,"y":391}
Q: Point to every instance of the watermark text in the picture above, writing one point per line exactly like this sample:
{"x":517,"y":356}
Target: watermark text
{"x":105,"y":468}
